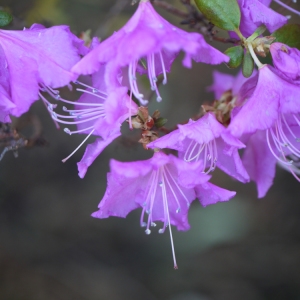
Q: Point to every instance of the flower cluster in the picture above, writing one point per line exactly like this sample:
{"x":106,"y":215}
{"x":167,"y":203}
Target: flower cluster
{"x":259,"y":114}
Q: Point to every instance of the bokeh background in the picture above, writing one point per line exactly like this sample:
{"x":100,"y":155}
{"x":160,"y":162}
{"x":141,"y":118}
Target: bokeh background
{"x":50,"y":247}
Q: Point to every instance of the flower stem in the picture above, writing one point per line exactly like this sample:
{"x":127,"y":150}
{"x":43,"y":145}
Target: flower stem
{"x":256,"y":60}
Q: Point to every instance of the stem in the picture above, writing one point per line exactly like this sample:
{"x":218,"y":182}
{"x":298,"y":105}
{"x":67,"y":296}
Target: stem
{"x":256,"y":60}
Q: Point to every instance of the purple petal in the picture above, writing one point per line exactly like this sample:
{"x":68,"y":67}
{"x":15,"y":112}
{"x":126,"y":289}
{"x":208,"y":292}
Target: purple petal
{"x":262,"y":108}
{"x":34,"y":57}
{"x":209,"y":193}
{"x":260,"y":162}
{"x":92,"y":151}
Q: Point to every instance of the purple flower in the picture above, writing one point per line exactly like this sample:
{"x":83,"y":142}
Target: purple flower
{"x":150,"y":37}
{"x":100,"y":111}
{"x":272,"y":106}
{"x":286,"y":60}
{"x":163,"y":186}
{"x":208,"y":141}
{"x":33,"y":59}
{"x":255,"y":13}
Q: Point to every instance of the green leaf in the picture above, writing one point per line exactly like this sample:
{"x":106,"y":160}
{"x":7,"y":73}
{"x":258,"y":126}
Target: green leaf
{"x":160,"y":122}
{"x":289,"y":35}
{"x":236,"y":55}
{"x":5,"y":18}
{"x":248,"y":65}
{"x":223,"y":14}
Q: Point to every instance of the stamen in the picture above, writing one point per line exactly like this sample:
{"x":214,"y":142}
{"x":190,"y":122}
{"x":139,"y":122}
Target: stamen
{"x":68,"y":131}
{"x":92,"y":93}
{"x":163,"y":68}
{"x":165,"y":200}
{"x":271,"y":149}
{"x":90,"y":87}
{"x":65,"y":159}
{"x":132,"y":81}
{"x":179,"y":189}
{"x":288,"y":7}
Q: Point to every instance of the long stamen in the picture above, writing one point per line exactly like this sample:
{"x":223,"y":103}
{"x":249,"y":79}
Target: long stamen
{"x":132,"y":81}
{"x":288,"y":7}
{"x":179,"y":189}
{"x":91,"y":93}
{"x":163,"y":68}
{"x":165,"y":200}
{"x":272,"y":151}
{"x":65,"y":159}
{"x":90,"y":87}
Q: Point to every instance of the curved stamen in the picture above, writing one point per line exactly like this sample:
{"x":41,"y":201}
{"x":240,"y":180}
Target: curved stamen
{"x":90,"y":87}
{"x":92,"y":93}
{"x":132,"y":82}
{"x":68,"y":131}
{"x":163,"y":68}
{"x":272,"y":151}
{"x":65,"y":159}
{"x":288,"y":7}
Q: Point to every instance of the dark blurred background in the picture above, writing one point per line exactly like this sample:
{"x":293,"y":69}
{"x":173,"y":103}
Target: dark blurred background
{"x":50,"y":247}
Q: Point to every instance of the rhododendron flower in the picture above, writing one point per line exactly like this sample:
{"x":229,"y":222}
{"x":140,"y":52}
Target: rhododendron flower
{"x":32,"y":59}
{"x":148,"y":36}
{"x":100,"y":111}
{"x":163,"y":186}
{"x":206,"y":140}
{"x":273,"y":106}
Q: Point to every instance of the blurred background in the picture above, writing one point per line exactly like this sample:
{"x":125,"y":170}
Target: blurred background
{"x":50,"y":247}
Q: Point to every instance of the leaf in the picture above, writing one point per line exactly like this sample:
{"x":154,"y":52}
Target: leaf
{"x":160,"y":122}
{"x":236,"y":55}
{"x":5,"y":18}
{"x":248,"y":65}
{"x":223,"y":14}
{"x":289,"y":35}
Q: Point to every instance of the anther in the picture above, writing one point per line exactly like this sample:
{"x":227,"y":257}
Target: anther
{"x":67,"y":130}
{"x":147,"y":231}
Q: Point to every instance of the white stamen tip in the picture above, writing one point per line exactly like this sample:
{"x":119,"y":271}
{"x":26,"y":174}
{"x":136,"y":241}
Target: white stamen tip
{"x":67,"y":130}
{"x":178,"y":210}
{"x":64,"y":108}
{"x":164,"y":82}
{"x":161,"y":231}
{"x":153,"y":224}
{"x":158,"y":99}
{"x":143,"y":224}
{"x":147,"y":231}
